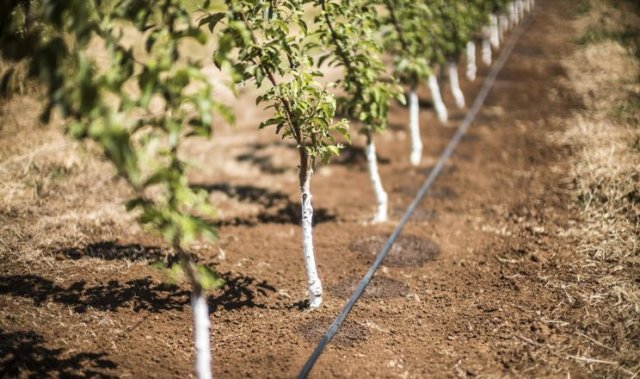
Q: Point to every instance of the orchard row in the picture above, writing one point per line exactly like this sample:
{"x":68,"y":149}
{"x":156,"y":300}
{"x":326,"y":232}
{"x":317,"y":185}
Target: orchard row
{"x":149,"y":99}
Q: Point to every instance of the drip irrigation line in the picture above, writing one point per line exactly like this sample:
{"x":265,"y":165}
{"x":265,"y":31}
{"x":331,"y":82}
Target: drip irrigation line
{"x":437,"y":169}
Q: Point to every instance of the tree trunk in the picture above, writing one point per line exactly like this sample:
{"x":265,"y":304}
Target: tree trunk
{"x":381,"y":196}
{"x":513,"y":14}
{"x":313,"y":280}
{"x":200,"y":310}
{"x":472,"y":69}
{"x":486,"y":47}
{"x":201,"y":332}
{"x":434,"y":88}
{"x":414,"y":127}
{"x":504,"y":25}
{"x":495,"y":32}
{"x":455,"y":85}
{"x":520,"y":9}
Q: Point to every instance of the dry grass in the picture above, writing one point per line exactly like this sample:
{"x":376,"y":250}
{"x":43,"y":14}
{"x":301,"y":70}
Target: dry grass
{"x":54,"y":192}
{"x":604,"y":72}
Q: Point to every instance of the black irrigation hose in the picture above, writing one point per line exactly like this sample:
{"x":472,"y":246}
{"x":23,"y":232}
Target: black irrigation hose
{"x":446,"y":154}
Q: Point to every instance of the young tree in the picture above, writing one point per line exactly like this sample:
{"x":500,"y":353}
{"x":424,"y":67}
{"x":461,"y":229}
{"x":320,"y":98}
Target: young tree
{"x":404,"y":28}
{"x":138,"y":110}
{"x":347,"y":29}
{"x":271,"y":40}
{"x":457,"y":23}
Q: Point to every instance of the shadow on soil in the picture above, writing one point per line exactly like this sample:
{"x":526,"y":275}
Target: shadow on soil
{"x":356,"y":156}
{"x":240,"y":292}
{"x":277,"y":207}
{"x":24,"y":353}
{"x":136,"y":295}
{"x":260,"y":156}
{"x":110,"y":251}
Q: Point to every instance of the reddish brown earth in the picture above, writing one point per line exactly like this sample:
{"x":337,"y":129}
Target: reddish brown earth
{"x":464,"y":293}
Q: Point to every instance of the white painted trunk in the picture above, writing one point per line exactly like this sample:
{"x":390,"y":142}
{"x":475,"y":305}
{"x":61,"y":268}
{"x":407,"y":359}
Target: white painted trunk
{"x":520,"y":9}
{"x":314,"y":284}
{"x":494,"y":31}
{"x":414,"y":128}
{"x":434,"y":88}
{"x":513,"y":14}
{"x":504,"y":25}
{"x":472,"y":69}
{"x":486,"y":51}
{"x":382,"y":198}
{"x":200,"y":310}
{"x":455,"y":85}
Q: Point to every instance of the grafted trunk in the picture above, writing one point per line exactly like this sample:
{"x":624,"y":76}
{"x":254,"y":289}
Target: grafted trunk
{"x":381,"y":195}
{"x":472,"y":68}
{"x":494,"y":31}
{"x":434,"y":88}
{"x":313,"y":280}
{"x":455,"y":85}
{"x":414,"y":127}
{"x":201,"y":329}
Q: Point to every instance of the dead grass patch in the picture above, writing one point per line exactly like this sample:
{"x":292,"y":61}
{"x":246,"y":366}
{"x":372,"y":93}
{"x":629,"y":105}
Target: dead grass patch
{"x":604,"y":73}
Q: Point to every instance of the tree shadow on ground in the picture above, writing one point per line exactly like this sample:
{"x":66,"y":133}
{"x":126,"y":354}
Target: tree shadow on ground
{"x":277,"y":208}
{"x":355,"y":156}
{"x":136,"y":295}
{"x":264,"y":159}
{"x":111,"y":250}
{"x":240,"y":292}
{"x":23,"y":354}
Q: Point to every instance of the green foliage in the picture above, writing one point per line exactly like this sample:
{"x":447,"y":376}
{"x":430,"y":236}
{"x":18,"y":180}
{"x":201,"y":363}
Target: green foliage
{"x":347,"y":29}
{"x":175,"y":274}
{"x":271,"y":40}
{"x":138,"y":107}
{"x":405,"y":30}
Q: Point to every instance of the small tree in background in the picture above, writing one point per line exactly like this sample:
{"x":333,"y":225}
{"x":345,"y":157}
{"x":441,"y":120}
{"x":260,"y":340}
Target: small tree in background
{"x":347,"y":28}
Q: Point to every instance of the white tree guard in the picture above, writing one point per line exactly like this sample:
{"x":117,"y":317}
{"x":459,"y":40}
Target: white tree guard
{"x":414,"y":128}
{"x":513,"y":14}
{"x":200,"y":310}
{"x":486,"y":51}
{"x":521,"y":9}
{"x":382,"y":199}
{"x":472,"y":68}
{"x":313,"y":280}
{"x":454,"y":82}
{"x":494,"y":31}
{"x":434,"y":88}
{"x":503,"y":21}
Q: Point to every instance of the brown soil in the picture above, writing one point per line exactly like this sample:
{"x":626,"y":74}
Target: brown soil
{"x":407,"y":251}
{"x":470,"y":290}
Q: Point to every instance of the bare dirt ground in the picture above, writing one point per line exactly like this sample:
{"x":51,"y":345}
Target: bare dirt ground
{"x":488,"y":280}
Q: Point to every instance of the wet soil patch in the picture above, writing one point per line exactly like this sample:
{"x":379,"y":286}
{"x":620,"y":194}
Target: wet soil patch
{"x":378,"y":288}
{"x":350,"y":334}
{"x":407,"y":251}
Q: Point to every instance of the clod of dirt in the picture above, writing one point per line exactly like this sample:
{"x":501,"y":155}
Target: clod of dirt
{"x":407,"y":251}
{"x":378,"y":288}
{"x":349,"y":335}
